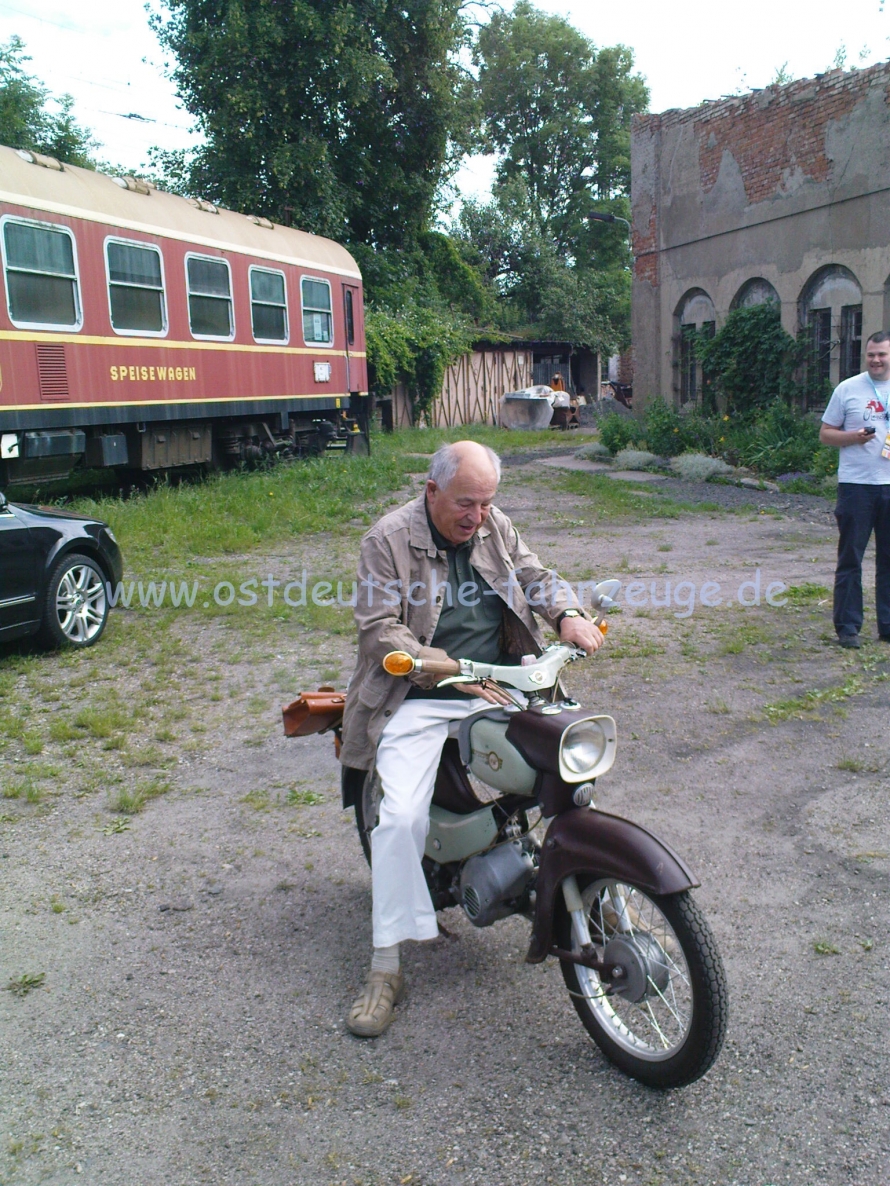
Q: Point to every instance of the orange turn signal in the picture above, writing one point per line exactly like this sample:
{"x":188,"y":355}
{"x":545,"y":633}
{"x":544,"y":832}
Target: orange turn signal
{"x":398,"y":663}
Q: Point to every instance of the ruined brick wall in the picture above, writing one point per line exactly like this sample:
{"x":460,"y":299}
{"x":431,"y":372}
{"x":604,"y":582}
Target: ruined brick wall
{"x":774,"y":133}
{"x":772,"y":185}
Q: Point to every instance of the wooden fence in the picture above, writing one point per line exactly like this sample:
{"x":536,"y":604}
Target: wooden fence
{"x":472,"y":388}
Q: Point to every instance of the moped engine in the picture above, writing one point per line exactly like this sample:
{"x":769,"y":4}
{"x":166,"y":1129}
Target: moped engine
{"x":492,"y":880}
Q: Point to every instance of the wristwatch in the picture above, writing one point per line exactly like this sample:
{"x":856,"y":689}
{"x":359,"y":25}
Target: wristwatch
{"x":567,"y":613}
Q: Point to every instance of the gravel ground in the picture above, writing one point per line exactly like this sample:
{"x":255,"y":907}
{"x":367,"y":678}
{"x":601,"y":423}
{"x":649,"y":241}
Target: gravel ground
{"x":199,"y":954}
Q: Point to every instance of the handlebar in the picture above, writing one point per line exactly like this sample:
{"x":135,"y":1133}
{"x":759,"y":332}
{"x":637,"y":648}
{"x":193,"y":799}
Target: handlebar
{"x":532,"y":677}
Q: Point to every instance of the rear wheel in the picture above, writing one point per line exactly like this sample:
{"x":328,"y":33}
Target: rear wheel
{"x":367,"y":810}
{"x":666,"y":1025}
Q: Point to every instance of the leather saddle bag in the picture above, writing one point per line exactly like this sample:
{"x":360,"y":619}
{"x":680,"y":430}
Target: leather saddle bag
{"x":313,"y":712}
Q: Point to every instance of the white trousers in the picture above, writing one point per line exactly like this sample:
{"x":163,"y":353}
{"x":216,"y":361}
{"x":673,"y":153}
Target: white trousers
{"x":408,"y":756}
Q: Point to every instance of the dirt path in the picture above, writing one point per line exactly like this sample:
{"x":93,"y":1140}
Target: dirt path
{"x":198,"y":953}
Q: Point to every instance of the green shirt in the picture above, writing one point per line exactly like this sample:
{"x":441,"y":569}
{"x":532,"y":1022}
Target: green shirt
{"x":471,"y":621}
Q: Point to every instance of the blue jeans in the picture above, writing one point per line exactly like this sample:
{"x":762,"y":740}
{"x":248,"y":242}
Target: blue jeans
{"x":860,"y":510}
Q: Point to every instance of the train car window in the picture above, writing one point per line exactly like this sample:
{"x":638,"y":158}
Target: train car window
{"x":135,"y":288}
{"x":210,"y":297}
{"x":350,"y":318}
{"x":268,"y":305}
{"x":318,"y":323}
{"x":41,"y":275}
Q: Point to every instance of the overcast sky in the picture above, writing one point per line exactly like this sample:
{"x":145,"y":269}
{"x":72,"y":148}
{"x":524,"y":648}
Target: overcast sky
{"x":106,"y":56}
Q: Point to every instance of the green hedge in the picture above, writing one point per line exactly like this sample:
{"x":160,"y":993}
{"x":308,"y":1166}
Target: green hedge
{"x":774,"y":440}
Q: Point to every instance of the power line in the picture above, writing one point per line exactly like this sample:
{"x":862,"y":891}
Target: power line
{"x":42,"y":19}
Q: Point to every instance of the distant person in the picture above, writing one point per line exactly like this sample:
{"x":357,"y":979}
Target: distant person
{"x":857,"y":421}
{"x":556,"y":383}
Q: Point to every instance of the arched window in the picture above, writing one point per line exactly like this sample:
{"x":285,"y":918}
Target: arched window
{"x":830,"y":308}
{"x":695,"y":317}
{"x":755,"y":292}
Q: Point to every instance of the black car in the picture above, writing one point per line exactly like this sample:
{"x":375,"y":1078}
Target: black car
{"x":55,"y":569}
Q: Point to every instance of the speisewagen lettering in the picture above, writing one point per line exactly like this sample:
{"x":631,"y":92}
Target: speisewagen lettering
{"x":141,"y":374}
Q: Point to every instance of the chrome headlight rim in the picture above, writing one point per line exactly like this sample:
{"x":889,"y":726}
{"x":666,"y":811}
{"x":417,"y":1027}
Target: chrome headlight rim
{"x":587,"y":749}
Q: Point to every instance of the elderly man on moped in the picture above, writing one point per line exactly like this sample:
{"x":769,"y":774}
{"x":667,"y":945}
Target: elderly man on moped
{"x":446,"y":574}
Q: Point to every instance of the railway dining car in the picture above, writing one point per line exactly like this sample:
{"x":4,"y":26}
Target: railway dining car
{"x":145,"y":330}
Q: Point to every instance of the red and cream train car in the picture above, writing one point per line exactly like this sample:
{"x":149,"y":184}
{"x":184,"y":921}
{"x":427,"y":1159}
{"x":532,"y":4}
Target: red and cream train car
{"x":141,"y":329}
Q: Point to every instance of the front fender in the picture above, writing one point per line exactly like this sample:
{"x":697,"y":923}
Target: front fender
{"x":600,"y":845}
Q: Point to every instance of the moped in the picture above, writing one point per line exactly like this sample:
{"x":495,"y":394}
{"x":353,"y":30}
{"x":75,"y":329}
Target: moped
{"x":605,"y":897}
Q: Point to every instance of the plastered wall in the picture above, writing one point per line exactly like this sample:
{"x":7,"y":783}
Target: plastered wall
{"x":776,"y":184}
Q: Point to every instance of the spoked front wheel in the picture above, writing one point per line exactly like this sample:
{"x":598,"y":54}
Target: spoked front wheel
{"x":665,"y":1025}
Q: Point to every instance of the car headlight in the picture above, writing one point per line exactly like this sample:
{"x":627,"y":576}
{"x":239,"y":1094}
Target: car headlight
{"x":587,"y":749}
{"x":111,"y":535}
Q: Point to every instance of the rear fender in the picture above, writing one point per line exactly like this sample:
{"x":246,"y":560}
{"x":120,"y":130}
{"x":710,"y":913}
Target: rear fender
{"x":599,"y":845}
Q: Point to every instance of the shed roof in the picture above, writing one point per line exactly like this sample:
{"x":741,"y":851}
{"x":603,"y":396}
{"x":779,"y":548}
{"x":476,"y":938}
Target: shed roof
{"x":83,"y":193}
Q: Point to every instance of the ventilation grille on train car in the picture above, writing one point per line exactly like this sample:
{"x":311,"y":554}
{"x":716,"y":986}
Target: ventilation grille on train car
{"x":52,"y":375}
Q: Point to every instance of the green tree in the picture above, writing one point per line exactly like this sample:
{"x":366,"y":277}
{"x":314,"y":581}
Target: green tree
{"x":338,"y":116}
{"x":26,"y":120}
{"x":557,"y":112}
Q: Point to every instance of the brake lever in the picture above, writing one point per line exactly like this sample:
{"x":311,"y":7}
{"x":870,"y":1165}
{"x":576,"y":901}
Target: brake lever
{"x":484,"y":682}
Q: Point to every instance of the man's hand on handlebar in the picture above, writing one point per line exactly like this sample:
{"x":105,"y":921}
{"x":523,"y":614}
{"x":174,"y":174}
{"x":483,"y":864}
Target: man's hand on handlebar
{"x":487,"y":691}
{"x":581,"y":633}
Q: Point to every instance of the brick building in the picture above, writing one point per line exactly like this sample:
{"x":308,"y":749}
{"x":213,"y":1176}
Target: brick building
{"x":783,"y":195}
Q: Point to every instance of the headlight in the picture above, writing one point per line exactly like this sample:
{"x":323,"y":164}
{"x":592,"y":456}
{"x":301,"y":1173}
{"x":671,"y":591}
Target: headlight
{"x":587,"y":749}
{"x":111,"y":535}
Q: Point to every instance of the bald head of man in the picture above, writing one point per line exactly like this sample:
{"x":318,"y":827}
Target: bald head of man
{"x":461,"y":486}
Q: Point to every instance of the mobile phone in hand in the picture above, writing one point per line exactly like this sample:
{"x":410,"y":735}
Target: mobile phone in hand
{"x":869,"y":430}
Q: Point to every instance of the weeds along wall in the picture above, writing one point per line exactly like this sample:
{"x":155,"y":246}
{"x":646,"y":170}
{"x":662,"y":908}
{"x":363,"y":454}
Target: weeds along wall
{"x":783,"y":195}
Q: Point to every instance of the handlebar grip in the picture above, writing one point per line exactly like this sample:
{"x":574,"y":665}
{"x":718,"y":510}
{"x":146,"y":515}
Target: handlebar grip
{"x":439,"y":666}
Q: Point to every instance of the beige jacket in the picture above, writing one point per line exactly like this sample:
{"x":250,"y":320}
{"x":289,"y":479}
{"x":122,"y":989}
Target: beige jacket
{"x":398,"y":609}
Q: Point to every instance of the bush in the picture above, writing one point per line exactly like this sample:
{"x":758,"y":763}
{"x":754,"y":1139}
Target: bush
{"x":595,"y":451}
{"x":779,"y":441}
{"x":697,"y":467}
{"x":825,"y":462}
{"x":635,"y":459}
{"x":663,"y":428}
{"x":617,"y":432}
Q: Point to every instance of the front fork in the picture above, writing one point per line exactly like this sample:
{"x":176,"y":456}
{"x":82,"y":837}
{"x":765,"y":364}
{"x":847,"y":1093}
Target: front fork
{"x":575,"y":907}
{"x":611,"y":975}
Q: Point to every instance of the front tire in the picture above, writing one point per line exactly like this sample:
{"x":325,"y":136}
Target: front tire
{"x":75,"y":606}
{"x":667,"y":1025}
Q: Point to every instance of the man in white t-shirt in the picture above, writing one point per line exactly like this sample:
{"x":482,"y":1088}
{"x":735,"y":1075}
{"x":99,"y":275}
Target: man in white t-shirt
{"x":857,"y":421}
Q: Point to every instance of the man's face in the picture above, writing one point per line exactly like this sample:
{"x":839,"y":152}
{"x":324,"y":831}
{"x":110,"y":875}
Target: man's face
{"x":462,"y":507}
{"x":877,"y":359}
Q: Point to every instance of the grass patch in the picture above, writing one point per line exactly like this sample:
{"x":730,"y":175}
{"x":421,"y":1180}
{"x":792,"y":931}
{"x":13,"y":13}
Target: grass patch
{"x":130,"y":800}
{"x":26,"y":983}
{"x":101,"y":723}
{"x":806,"y":594}
{"x":823,"y":947}
{"x":857,"y":766}
{"x":296,"y":797}
{"x":809,"y":702}
{"x":632,"y":646}
{"x":62,"y":730}
{"x":617,"y":500}
{"x":258,"y":799}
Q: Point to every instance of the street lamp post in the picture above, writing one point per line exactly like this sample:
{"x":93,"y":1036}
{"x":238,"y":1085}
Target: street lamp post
{"x":597,"y":217}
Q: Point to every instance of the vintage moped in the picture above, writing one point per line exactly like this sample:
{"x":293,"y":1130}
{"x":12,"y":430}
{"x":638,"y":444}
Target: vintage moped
{"x":605,"y":897}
